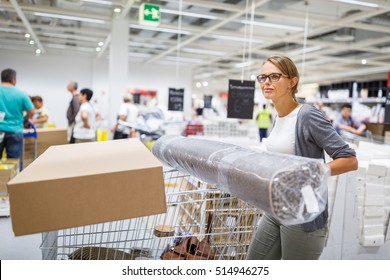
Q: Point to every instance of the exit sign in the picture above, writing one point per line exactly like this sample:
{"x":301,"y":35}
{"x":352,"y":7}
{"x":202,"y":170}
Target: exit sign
{"x":149,"y":14}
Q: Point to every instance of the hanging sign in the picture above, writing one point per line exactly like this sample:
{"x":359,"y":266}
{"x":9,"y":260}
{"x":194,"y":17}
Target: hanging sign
{"x":176,"y":99}
{"x":241,"y":97}
{"x":137,"y":98}
{"x":207,"y":100}
{"x":387,"y":107}
{"x":149,"y":14}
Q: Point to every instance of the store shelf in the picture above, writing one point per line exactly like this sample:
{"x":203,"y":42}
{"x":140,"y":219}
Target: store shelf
{"x":374,"y":100}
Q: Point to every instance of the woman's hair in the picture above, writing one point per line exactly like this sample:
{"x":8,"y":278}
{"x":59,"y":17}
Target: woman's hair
{"x":87,"y":92}
{"x":288,"y":67}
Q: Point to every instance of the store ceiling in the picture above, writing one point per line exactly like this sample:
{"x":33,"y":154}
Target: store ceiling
{"x":220,"y":39}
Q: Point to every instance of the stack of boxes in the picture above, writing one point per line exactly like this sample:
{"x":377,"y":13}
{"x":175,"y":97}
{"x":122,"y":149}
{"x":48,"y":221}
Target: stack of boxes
{"x":8,"y":169}
{"x":373,"y":197}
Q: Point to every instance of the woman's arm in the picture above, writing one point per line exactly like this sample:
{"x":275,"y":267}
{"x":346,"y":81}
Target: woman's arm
{"x":342,"y":165}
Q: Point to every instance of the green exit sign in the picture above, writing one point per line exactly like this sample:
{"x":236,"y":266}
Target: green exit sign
{"x":149,"y":14}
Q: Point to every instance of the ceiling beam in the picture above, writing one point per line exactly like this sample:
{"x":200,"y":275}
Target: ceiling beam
{"x":27,"y":25}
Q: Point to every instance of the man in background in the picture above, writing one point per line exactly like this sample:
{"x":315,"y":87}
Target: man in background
{"x":345,"y":122}
{"x":264,"y":120}
{"x":73,"y":109}
{"x":41,"y":114}
{"x":13,"y":103}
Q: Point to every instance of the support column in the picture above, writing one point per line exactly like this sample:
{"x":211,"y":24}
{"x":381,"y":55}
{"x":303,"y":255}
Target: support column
{"x":118,"y":66}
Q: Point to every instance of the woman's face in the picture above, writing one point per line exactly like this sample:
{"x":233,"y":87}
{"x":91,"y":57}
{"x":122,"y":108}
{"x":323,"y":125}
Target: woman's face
{"x":275,"y":90}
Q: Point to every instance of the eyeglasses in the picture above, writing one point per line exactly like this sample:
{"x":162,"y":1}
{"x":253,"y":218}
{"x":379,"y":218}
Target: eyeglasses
{"x":273,"y":77}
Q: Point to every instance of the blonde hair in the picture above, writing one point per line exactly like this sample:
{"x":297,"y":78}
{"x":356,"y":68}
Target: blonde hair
{"x":288,"y":67}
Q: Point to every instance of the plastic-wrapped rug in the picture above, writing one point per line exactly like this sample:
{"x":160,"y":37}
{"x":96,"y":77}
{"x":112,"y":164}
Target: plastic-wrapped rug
{"x":292,"y":189}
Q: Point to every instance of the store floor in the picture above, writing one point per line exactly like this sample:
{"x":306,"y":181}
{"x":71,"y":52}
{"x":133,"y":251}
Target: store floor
{"x":18,"y":248}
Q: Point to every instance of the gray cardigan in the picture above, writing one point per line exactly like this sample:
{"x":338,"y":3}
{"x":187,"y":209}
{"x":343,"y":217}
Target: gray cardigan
{"x":313,"y":135}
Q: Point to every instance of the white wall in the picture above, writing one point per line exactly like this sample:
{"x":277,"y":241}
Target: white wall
{"x":48,"y":76}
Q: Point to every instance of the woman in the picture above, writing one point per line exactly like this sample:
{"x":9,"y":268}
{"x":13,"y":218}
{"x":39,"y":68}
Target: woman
{"x":84,"y":128}
{"x":300,"y":130}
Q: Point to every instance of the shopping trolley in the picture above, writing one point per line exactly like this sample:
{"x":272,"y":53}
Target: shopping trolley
{"x":194,"y":209}
{"x":30,"y":132}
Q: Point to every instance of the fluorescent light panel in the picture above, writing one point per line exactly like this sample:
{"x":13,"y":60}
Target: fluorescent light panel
{"x":239,"y":39}
{"x":361,"y":3}
{"x":175,"y":31}
{"x":187,"y":14}
{"x":200,"y":51}
{"x":273,"y":25}
{"x":91,"y":20}
{"x":101,"y":2}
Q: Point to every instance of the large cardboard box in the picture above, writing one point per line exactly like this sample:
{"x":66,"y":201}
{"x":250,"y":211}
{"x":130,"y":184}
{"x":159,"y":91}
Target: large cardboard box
{"x":81,"y":184}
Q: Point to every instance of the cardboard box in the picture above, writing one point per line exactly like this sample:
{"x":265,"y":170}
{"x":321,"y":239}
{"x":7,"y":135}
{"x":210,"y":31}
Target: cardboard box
{"x":46,"y":137}
{"x":81,"y":184}
{"x":8,"y":170}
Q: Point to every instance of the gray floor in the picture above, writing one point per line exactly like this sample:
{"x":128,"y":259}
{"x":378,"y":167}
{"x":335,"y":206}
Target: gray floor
{"x":18,"y":248}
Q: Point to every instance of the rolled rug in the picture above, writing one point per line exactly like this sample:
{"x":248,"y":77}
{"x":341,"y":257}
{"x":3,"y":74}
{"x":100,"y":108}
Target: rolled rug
{"x":292,"y":189}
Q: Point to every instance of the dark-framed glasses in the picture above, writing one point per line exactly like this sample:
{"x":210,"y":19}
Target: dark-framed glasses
{"x":273,"y":77}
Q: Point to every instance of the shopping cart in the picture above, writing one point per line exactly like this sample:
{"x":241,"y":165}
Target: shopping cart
{"x":194,"y":209}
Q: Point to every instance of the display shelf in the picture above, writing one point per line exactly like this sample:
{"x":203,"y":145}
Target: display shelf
{"x":374,"y":100}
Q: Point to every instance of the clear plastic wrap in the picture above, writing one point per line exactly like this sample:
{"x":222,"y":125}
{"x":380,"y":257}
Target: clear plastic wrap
{"x":292,"y":189}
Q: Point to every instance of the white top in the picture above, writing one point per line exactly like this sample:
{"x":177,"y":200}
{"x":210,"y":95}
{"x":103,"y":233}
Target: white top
{"x":282,"y":136}
{"x":79,"y":131}
{"x":38,"y":113}
{"x":131,"y":113}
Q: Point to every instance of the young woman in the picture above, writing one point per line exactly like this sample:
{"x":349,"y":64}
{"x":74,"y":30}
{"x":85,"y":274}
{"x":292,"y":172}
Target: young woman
{"x":300,"y":130}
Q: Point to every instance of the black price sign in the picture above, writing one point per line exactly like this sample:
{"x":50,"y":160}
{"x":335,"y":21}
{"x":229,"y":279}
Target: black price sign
{"x":241,"y":99}
{"x":176,"y":99}
{"x":137,"y":98}
{"x":207,"y":99}
{"x":387,"y":106}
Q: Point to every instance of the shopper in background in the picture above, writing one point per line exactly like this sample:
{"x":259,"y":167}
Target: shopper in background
{"x":345,"y":122}
{"x":73,"y":109}
{"x":302,"y":130}
{"x":264,"y":120}
{"x":41,"y":114}
{"x":13,"y":104}
{"x":84,"y":128}
{"x":128,"y":112}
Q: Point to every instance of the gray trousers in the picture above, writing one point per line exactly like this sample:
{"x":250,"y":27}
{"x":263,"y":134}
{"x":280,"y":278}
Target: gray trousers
{"x":274,"y":241}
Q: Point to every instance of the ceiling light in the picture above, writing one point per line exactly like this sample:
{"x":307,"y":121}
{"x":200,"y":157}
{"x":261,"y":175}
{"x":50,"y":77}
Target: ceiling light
{"x":38,"y":51}
{"x":100,"y":44}
{"x":101,"y":2}
{"x":200,"y":51}
{"x":98,"y":49}
{"x":31,"y":42}
{"x":198,"y":84}
{"x":187,"y":14}
{"x":27,"y":35}
{"x":136,"y":54}
{"x":205,"y":83}
{"x":273,"y":25}
{"x":117,"y":10}
{"x":159,"y":29}
{"x":244,"y":64}
{"x":238,"y":39}
{"x":361,"y":3}
{"x":184,"y":59}
{"x":91,"y":20}
{"x":364,"y":61}
{"x":10,"y":30}
{"x":253,"y":77}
